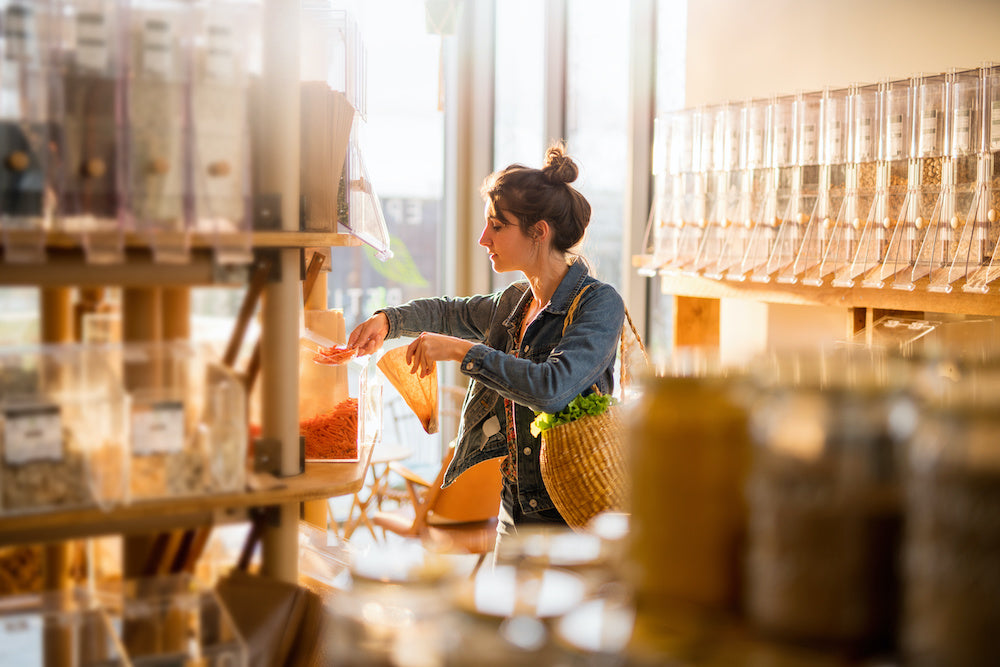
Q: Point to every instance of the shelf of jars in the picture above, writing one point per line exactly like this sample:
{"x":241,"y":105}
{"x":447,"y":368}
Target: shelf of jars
{"x":884,"y":195}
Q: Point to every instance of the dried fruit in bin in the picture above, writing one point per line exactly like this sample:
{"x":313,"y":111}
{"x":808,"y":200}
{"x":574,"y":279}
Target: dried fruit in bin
{"x":334,"y":355}
{"x":332,"y":434}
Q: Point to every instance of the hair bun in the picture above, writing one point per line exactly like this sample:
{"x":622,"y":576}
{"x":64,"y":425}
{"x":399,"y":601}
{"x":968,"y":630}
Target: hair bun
{"x":559,"y":167}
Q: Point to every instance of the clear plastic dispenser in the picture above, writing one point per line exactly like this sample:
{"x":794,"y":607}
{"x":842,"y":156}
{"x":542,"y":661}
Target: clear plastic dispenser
{"x":803,"y":189}
{"x":663,"y":232}
{"x":971,"y":170}
{"x":683,"y":165}
{"x":755,"y":148}
{"x":725,"y":186}
{"x":90,"y":204}
{"x":781,"y":174}
{"x":890,"y":185}
{"x":937,"y":184}
{"x":156,"y":112}
{"x":861,"y":178}
{"x":985,"y":208}
{"x":26,"y":195}
{"x":708,"y":186}
{"x":365,"y":220}
{"x":833,"y":167}
{"x":220,"y":152}
{"x":63,"y":430}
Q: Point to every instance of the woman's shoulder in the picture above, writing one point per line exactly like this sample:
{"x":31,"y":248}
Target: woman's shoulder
{"x":605,"y":292}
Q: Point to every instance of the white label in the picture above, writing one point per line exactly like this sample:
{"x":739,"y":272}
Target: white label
{"x":220,"y":56}
{"x":32,"y":434}
{"x":733,"y":159}
{"x":19,"y":31}
{"x":928,"y":133}
{"x":91,"y":41}
{"x":963,"y":130}
{"x":808,"y":144}
{"x":865,"y":140}
{"x":26,"y":630}
{"x":781,"y":146}
{"x":894,"y":147}
{"x":995,"y":125}
{"x":835,"y":143}
{"x":158,"y":428}
{"x":157,"y":47}
{"x":756,"y":147}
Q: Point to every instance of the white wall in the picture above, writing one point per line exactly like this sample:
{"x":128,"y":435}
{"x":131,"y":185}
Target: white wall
{"x":754,"y":48}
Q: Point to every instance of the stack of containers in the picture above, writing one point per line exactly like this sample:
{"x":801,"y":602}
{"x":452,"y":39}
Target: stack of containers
{"x":64,"y":430}
{"x":885,"y":228}
{"x":985,"y":209}
{"x":26,"y":197}
{"x":833,"y":168}
{"x":860,"y":191}
{"x":711,"y":208}
{"x":89,"y":88}
{"x":937,"y":191}
{"x":220,"y":137}
{"x":157,"y":79}
{"x":780,"y":175}
{"x":807,"y":109}
{"x":971,"y":170}
{"x":754,"y":158}
{"x":683,"y":164}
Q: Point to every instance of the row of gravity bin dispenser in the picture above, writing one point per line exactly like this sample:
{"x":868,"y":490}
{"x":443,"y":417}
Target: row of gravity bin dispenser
{"x":892,"y":185}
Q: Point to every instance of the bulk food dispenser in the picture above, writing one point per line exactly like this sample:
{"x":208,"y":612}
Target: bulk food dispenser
{"x":683,"y":164}
{"x":157,"y":76}
{"x":833,"y":167}
{"x":712,"y":157}
{"x":220,"y":122}
{"x":26,"y":195}
{"x":780,"y":175}
{"x":755,"y":152}
{"x":89,"y":87}
{"x":860,"y":189}
{"x":726,"y":183}
{"x":985,"y":208}
{"x":890,"y":185}
{"x":663,"y":229}
{"x":959,"y":241}
{"x":802,"y":184}
{"x":935,"y":177}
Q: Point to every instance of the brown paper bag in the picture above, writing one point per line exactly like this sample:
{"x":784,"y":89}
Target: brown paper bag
{"x":419,"y":393}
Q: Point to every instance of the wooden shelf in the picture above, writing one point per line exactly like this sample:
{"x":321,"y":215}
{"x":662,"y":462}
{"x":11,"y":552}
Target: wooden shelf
{"x":918,"y":300}
{"x":319,"y":481}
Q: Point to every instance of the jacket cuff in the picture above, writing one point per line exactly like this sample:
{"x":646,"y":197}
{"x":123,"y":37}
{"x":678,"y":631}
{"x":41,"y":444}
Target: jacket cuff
{"x":472,"y":362}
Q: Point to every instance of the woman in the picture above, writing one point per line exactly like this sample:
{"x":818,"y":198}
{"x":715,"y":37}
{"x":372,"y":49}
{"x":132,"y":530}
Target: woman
{"x":521,"y":351}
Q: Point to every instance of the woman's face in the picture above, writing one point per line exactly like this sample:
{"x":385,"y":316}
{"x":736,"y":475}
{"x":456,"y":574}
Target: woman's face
{"x":510,"y":248}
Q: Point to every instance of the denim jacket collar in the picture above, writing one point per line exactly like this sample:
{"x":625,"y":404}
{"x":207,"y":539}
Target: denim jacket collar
{"x":566,"y":291}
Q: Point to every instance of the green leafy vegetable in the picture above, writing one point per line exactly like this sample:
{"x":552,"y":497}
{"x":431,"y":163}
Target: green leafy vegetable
{"x":581,"y":406}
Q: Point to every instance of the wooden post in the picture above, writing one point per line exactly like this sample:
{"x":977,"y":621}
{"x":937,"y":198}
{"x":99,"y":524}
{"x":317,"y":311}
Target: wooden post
{"x":696,"y":322}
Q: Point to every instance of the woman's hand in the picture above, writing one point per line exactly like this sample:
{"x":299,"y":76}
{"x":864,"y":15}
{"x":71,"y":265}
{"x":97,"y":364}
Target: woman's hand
{"x":368,"y":336}
{"x":428,"y":348}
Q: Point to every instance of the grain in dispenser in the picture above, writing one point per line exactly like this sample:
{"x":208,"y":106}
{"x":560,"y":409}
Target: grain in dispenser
{"x":860,"y":189}
{"x":985,"y":208}
{"x":220,"y":152}
{"x":833,"y":167}
{"x":91,"y":85}
{"x":803,"y":189}
{"x":26,"y":187}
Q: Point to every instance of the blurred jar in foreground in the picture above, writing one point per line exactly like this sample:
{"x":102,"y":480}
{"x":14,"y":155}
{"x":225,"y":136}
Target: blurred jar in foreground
{"x":952,"y":536}
{"x":688,"y":456}
{"x":823,"y":497}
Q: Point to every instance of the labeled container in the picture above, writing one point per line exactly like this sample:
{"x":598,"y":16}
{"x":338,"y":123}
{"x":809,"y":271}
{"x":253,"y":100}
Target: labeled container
{"x":835,"y":115}
{"x":684,"y":162}
{"x":187,"y":422}
{"x":220,"y":151}
{"x":169,"y":620}
{"x":26,"y":116}
{"x":157,"y":123}
{"x":825,"y":479}
{"x":90,"y":202}
{"x":985,"y":209}
{"x":724,"y":183}
{"x":57,"y":628}
{"x":952,"y":502}
{"x":64,"y":432}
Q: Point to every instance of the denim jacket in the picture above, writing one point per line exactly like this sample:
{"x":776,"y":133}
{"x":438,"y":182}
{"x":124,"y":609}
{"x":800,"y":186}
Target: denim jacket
{"x":554,"y":367}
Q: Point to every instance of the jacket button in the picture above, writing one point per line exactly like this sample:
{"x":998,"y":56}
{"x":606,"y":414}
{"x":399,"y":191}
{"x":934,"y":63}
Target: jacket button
{"x":527,"y":451}
{"x":533,"y":503}
{"x":526,"y":347}
{"x":468,"y":366}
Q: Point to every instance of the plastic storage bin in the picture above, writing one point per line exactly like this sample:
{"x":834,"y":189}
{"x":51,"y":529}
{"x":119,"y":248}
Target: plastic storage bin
{"x":64,"y":628}
{"x":188,"y":421}
{"x":63,"y":429}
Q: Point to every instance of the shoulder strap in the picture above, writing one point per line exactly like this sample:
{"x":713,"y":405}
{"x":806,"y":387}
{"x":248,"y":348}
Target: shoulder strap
{"x":572,"y":309}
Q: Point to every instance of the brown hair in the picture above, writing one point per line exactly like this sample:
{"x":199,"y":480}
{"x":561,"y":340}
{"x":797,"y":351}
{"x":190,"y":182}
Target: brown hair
{"x":542,"y":194}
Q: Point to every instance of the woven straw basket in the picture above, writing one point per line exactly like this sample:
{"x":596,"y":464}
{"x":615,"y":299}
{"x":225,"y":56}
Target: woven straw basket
{"x":583,"y":466}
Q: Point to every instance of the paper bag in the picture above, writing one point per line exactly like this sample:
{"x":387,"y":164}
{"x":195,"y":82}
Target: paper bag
{"x":419,"y":393}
